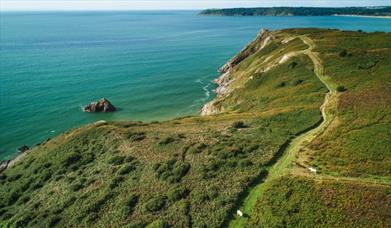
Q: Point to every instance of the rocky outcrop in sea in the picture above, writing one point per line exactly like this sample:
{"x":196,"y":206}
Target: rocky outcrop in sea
{"x":103,"y":105}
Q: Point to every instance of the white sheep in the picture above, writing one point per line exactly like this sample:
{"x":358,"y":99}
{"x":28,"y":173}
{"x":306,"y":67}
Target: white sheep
{"x":238,"y":212}
{"x":312,"y":170}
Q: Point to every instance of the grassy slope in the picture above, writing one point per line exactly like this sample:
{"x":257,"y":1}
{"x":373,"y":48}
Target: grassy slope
{"x":83,"y":177}
{"x":303,"y":202}
{"x":356,"y":144}
{"x":363,"y":124}
{"x":186,"y":172}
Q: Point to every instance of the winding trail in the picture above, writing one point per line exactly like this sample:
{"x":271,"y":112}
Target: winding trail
{"x":288,"y":163}
{"x":284,"y":164}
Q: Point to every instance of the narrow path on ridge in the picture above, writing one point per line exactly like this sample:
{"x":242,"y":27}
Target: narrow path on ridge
{"x":285,"y":163}
{"x":281,"y":167}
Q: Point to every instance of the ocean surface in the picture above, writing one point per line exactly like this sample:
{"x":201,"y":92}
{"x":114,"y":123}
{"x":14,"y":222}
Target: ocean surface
{"x":152,"y":65}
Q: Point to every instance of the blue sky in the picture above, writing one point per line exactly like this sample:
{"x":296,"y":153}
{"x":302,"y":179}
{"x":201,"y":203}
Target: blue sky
{"x":7,"y":5}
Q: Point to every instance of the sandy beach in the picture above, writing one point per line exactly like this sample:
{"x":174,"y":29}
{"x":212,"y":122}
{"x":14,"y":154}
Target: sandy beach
{"x":362,"y":16}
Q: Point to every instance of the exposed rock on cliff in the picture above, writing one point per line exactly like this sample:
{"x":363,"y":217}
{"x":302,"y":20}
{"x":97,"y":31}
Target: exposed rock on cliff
{"x":4,"y":165}
{"x":103,"y":105}
{"x":223,"y":82}
{"x":264,"y":37}
{"x":23,"y":149}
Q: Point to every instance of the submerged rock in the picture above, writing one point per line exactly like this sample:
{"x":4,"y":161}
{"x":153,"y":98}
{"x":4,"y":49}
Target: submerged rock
{"x":103,"y":105}
{"x":23,"y":149}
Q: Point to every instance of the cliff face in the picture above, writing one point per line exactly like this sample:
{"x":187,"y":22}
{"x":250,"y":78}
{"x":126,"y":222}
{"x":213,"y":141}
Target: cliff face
{"x":224,"y":81}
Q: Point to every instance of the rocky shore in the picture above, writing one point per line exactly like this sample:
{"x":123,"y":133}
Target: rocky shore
{"x":23,"y":150}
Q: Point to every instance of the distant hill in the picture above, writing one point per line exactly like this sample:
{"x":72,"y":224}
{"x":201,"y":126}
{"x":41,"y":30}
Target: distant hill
{"x":300,"y":11}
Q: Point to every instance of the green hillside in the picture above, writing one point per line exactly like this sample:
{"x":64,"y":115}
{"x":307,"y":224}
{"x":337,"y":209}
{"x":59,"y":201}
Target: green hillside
{"x":290,"y":100}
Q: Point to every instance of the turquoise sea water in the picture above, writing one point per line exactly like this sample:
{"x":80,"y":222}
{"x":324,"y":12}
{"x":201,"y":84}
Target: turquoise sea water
{"x":151,"y":65}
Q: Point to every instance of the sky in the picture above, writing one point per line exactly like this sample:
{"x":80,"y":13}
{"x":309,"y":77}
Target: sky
{"x":44,"y":5}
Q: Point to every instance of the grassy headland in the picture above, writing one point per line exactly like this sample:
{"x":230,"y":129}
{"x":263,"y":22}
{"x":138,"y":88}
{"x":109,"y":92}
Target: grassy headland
{"x":301,"y":11}
{"x":197,"y":171}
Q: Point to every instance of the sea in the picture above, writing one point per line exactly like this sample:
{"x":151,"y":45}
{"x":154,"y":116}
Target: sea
{"x":152,"y":65}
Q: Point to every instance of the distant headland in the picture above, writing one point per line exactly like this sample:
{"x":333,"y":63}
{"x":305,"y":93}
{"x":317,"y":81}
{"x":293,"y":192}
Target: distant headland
{"x":380,"y":11}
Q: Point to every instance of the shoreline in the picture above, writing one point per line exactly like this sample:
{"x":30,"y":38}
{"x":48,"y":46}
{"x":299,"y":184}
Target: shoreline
{"x":368,"y":16}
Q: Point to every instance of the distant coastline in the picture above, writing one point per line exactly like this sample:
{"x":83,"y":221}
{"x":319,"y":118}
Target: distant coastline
{"x":381,"y":11}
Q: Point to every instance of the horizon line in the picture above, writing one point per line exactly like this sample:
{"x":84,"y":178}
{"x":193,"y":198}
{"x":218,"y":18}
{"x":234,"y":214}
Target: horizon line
{"x":173,"y":9}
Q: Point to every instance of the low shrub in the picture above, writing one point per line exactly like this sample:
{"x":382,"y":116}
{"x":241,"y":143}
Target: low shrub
{"x":131,"y":203}
{"x":117,"y":160}
{"x":171,"y":171}
{"x":292,"y":65}
{"x":343,"y":53}
{"x":297,"y":82}
{"x":181,"y":169}
{"x":13,"y":197}
{"x":177,"y":193}
{"x":238,"y":124}
{"x":47,"y":165}
{"x":126,"y":169}
{"x":155,"y":204}
{"x":54,"y":220}
{"x":97,"y":205}
{"x":244,"y":163}
{"x":37,"y":185}
{"x":281,"y":84}
{"x":181,"y":136}
{"x":129,"y":159}
{"x":46,"y":175}
{"x":76,"y":187}
{"x":167,"y":140}
{"x":116,"y":181}
{"x":200,"y":196}
{"x":24,"y":199}
{"x":367,"y":65}
{"x":14,"y":178}
{"x":69,"y":202}
{"x":213,"y":192}
{"x":232,"y":163}
{"x":71,"y":159}
{"x":158,"y":224}
{"x":341,"y":88}
{"x":136,"y":136}
{"x":184,"y":207}
{"x":197,"y":148}
{"x":24,"y":221}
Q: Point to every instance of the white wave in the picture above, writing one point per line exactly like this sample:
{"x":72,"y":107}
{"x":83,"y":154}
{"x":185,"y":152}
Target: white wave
{"x":206,"y":90}
{"x":199,"y":81}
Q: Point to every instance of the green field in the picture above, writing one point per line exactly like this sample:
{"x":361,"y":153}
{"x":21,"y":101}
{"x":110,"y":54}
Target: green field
{"x":308,"y":98}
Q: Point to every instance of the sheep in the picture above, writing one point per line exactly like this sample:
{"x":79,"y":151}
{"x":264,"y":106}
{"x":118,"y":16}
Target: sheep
{"x":312,"y":170}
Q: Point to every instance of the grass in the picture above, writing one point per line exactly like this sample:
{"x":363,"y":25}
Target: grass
{"x":197,"y":171}
{"x":359,"y":144}
{"x":99,"y":186}
{"x":302,"y":202}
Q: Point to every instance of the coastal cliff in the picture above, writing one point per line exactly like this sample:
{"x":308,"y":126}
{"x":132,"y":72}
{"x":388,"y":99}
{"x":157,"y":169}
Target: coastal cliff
{"x":223,"y":82}
{"x":197,"y":171}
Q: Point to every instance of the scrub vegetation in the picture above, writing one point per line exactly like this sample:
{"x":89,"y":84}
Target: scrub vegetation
{"x":196,"y":171}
